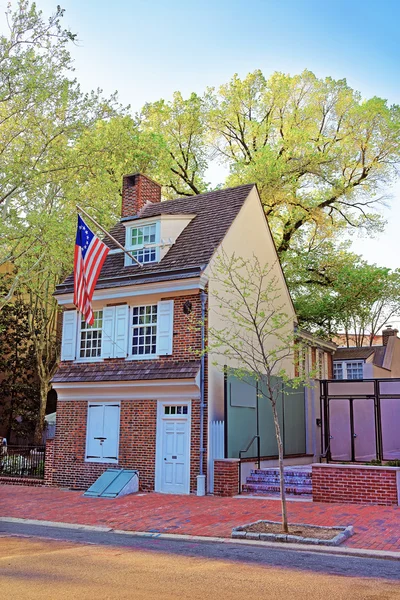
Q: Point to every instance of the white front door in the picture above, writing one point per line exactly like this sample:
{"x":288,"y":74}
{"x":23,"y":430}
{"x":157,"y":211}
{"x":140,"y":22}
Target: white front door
{"x":173,"y":444}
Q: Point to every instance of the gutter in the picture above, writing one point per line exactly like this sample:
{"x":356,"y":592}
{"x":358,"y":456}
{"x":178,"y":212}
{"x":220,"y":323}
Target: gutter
{"x":201,"y":478}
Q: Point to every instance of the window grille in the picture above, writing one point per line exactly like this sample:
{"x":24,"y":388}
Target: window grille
{"x":144,"y":330}
{"x":91,"y":336}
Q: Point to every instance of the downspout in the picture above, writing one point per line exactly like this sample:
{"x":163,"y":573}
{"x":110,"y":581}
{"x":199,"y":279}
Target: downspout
{"x":201,"y":478}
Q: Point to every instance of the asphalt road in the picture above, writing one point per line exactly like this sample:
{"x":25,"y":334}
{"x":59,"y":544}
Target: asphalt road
{"x":54,"y":563}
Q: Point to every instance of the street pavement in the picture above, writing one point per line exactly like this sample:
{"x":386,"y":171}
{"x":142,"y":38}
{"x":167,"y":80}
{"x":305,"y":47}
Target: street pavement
{"x":376,"y":527}
{"x":54,"y":563}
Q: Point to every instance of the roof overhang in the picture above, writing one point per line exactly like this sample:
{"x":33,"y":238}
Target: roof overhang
{"x":316,"y":341}
{"x":135,"y":289}
{"x":160,"y":389}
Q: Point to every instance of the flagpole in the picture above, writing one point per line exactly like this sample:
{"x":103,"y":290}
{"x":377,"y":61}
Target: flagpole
{"x":109,"y":235}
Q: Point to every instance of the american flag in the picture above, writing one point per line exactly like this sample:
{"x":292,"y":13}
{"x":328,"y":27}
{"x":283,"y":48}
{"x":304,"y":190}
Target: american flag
{"x":90,"y":254}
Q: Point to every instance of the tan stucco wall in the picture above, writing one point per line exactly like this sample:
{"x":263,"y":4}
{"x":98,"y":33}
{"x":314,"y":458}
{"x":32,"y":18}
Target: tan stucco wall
{"x":248,"y":235}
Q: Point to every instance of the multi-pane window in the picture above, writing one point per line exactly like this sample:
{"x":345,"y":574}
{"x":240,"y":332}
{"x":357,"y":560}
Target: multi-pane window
{"x":175,"y":410}
{"x":91,"y":336}
{"x":337,"y":370}
{"x":348,"y":369}
{"x":141,"y":237}
{"x":354,"y":370}
{"x":144,"y":330}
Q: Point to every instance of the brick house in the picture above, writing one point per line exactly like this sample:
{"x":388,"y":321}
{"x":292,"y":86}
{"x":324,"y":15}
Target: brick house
{"x":132,"y":389}
{"x":369,"y":362}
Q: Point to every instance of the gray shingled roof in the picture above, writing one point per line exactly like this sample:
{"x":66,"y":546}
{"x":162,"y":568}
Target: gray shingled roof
{"x":215,"y":212}
{"x":362,"y":353}
{"x":125,"y":370}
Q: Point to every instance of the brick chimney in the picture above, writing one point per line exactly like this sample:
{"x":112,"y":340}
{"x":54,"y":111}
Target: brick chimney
{"x":387,"y":333}
{"x":137,"y":190}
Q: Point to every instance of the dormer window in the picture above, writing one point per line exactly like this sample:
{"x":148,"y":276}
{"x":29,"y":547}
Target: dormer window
{"x":143,"y":242}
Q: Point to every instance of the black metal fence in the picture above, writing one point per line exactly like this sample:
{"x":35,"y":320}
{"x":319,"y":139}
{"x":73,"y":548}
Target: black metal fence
{"x":22,"y":461}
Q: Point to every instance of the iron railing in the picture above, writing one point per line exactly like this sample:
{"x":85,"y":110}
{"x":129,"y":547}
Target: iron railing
{"x":22,"y":461}
{"x":255,"y":437}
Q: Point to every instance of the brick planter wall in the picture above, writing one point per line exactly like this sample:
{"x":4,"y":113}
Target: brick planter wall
{"x":226,"y":477}
{"x":356,"y":484}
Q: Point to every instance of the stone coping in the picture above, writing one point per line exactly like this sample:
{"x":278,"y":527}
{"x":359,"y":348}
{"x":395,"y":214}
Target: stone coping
{"x":354,"y":466}
{"x":241,"y":533}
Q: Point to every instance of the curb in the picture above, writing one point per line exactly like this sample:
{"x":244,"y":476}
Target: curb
{"x":333,"y":550}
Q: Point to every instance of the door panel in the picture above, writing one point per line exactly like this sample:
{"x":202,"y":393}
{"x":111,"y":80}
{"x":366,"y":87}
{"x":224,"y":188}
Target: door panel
{"x":340,"y":430}
{"x":95,"y":430}
{"x":175,"y":456}
{"x":111,"y":427}
{"x":364,"y":429}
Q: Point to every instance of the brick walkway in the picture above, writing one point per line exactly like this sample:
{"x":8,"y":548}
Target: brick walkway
{"x":376,"y":527}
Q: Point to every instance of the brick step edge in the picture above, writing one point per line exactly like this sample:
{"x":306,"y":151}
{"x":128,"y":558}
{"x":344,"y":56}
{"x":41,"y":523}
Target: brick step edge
{"x":275,"y":472}
{"x":4,"y":480}
{"x":288,"y":480}
{"x":271,"y":488}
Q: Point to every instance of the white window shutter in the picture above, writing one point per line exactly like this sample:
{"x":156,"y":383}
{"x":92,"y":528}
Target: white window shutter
{"x":111,"y":431}
{"x":107,"y":336}
{"x":95,"y":431}
{"x":165,"y":322}
{"x":121,"y":331}
{"x":68,"y":346}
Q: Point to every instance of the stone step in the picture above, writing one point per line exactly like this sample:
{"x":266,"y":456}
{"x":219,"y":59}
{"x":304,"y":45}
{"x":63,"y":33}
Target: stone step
{"x":267,"y":488}
{"x":276,"y":480}
{"x":288,"y":472}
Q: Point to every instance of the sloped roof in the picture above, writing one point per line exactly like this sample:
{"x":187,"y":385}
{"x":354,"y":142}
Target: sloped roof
{"x":362,"y":353}
{"x":193,"y":249}
{"x":125,"y":370}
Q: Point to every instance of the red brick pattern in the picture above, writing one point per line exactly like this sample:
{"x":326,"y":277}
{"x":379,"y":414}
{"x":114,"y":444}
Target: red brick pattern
{"x":49,"y":462}
{"x":226,"y":477}
{"x":137,"y":190}
{"x":137,"y":446}
{"x":138,"y":420}
{"x":354,"y":485}
{"x":376,"y":527}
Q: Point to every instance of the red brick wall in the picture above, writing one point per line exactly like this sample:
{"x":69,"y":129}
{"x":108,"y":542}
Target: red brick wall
{"x":137,"y":444}
{"x":49,"y":463}
{"x":136,"y":191}
{"x":226,"y":477}
{"x":354,"y":484}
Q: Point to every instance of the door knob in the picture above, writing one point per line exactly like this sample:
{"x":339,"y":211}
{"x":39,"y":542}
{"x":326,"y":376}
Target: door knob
{"x":354,"y":435}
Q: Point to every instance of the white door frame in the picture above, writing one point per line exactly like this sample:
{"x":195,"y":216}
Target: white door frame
{"x":159,"y":438}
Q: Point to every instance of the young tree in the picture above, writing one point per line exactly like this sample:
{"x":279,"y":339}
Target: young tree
{"x":256,"y":337}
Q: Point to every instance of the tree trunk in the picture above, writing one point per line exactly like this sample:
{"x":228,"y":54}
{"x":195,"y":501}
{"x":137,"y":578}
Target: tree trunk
{"x":281,"y":469}
{"x":43,"y":390}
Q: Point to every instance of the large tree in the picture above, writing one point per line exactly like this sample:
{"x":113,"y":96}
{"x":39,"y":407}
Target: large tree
{"x":336,"y":291}
{"x":317,"y":151}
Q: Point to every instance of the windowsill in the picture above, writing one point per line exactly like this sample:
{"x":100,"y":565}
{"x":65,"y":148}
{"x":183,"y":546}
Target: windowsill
{"x":143,"y":357}
{"x":103,"y":461}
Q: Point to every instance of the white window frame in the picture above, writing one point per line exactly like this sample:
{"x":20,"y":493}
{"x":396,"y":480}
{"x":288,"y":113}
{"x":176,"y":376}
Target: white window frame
{"x":108,"y":461}
{"x":133,"y":248}
{"x":130,"y":333}
{"x":79,"y":338}
{"x":344,"y":364}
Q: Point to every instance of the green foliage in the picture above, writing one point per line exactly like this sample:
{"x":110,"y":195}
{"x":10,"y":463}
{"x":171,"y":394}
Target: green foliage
{"x":315,"y":148}
{"x":19,"y":390}
{"x":336,"y":291}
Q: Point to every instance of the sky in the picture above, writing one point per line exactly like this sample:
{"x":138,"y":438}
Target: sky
{"x":147,"y":49}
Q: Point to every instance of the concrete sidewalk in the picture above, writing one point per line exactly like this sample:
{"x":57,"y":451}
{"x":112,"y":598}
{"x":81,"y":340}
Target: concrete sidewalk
{"x":376,"y":527}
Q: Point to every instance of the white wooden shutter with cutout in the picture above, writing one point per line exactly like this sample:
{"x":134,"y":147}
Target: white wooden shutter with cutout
{"x":69,"y":332}
{"x":165,"y":323}
{"x":107,"y":335}
{"x":121,"y":331}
